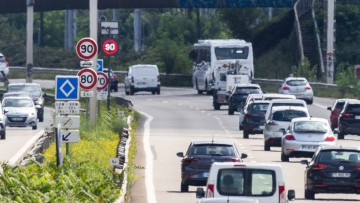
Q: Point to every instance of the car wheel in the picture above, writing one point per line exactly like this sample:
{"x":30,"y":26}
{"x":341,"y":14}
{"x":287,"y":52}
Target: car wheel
{"x":153,"y":92}
{"x":246,"y":134}
{"x":3,"y":135}
{"x":184,"y":187}
{"x":34,"y":127}
{"x":116,"y":87}
{"x":284,"y":158}
{"x":158,"y":91}
{"x":309,"y":194}
{"x":216,"y":106}
{"x":266,"y":147}
{"x":131,"y":91}
{"x":341,"y":135}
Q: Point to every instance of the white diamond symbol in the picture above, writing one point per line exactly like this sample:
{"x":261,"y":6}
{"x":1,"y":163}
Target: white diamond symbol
{"x":67,"y":82}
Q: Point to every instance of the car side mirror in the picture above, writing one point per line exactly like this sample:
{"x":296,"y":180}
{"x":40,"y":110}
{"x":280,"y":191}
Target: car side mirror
{"x":5,"y":111}
{"x":329,"y":108}
{"x":282,"y":130}
{"x":291,"y":195}
{"x":200,"y":193}
{"x":243,"y":155}
{"x":305,"y":162}
{"x":180,"y":154}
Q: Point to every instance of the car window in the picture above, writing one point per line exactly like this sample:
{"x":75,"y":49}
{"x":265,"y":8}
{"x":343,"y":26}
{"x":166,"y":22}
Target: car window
{"x":339,"y":156}
{"x":259,"y":107}
{"x":287,"y":115}
{"x":339,"y":105}
{"x":296,"y":82}
{"x":303,"y":126}
{"x":247,"y":90}
{"x":288,"y":104}
{"x":18,"y":103}
{"x":211,"y":149}
{"x":353,"y":108}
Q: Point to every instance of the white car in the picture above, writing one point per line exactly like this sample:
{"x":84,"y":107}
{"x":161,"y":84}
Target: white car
{"x":299,"y":87}
{"x":284,"y":102}
{"x":304,"y":135}
{"x":280,"y":118}
{"x":263,"y":182}
{"x":142,"y":77}
{"x":4,"y":68}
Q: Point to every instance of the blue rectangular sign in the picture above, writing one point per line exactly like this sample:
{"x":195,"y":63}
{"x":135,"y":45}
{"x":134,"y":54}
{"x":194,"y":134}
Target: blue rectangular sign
{"x":100,"y":65}
{"x":67,"y":88}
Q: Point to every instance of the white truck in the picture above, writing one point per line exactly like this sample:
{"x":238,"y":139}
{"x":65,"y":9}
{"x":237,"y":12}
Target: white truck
{"x":226,"y":77}
{"x":263,"y":182}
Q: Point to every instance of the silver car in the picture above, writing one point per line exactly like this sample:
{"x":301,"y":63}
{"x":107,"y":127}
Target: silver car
{"x":299,"y":87}
{"x":304,"y":135}
{"x":20,"y":112}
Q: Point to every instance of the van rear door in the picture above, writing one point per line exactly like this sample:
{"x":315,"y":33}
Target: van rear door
{"x":145,"y":77}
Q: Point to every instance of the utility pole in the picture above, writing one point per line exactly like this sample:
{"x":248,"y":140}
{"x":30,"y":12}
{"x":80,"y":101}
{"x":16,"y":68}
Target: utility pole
{"x":29,"y":39}
{"x":93,"y":16}
{"x":137,"y":31}
{"x":330,"y":41}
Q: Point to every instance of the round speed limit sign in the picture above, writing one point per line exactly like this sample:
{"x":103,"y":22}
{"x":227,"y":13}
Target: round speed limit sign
{"x":86,"y":48}
{"x":103,"y":81}
{"x":110,"y":47}
{"x":88,"y":78}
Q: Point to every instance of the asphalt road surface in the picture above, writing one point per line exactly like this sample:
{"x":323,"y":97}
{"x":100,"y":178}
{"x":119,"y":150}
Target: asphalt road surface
{"x":178,"y":116}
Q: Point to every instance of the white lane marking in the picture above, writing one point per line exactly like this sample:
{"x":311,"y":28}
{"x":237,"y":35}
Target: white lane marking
{"x":149,"y":170}
{"x":25,"y":148}
{"x":319,"y":105}
{"x":222,"y":125}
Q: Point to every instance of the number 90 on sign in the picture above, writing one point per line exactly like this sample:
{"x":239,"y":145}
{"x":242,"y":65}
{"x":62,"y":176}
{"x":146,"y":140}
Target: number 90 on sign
{"x":110,"y":47}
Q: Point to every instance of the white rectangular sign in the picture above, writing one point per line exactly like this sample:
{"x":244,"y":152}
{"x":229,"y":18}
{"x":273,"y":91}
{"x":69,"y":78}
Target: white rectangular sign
{"x":86,"y":64}
{"x":67,"y":107}
{"x":68,"y":121}
{"x":70,"y":136}
{"x":114,"y":162}
{"x":86,"y":93}
{"x":102,"y":95}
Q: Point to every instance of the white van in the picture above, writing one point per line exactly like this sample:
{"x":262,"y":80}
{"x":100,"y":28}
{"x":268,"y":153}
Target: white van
{"x":142,"y":77}
{"x":263,"y":182}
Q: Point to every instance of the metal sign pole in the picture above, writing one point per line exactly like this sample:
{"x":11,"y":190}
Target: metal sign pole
{"x":59,"y":156}
{"x":109,"y":85}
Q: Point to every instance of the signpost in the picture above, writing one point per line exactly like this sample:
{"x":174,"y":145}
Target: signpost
{"x":70,"y":136}
{"x":86,"y":48}
{"x":67,"y":88}
{"x":88,"y":78}
{"x":103,"y":81}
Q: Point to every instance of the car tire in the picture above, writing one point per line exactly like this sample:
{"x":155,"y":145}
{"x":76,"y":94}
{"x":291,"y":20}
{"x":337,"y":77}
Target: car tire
{"x":34,"y":127}
{"x":216,"y":106}
{"x":310,"y":101}
{"x":3,"y":135}
{"x":266,"y":147}
{"x":246,"y":134}
{"x":341,"y":135}
{"x":230,"y":111}
{"x":158,"y":91}
{"x":116,"y":87}
{"x":131,"y":91}
{"x":184,"y":187}
{"x":240,"y":127}
{"x":309,"y":194}
{"x":153,"y":92}
{"x":284,"y":158}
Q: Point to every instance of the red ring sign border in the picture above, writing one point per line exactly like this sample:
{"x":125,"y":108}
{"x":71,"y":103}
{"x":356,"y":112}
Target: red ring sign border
{"x":110,"y":41}
{"x":106,"y":81}
{"x":93,"y":73}
{"x":90,"y":52}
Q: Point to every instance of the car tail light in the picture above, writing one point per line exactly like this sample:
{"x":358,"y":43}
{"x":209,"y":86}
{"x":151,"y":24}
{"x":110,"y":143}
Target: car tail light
{"x":318,"y":166}
{"x":285,"y":88}
{"x":210,"y":190}
{"x":282,"y":197}
{"x":346,"y":115}
{"x":158,"y":78}
{"x":188,"y":160}
{"x":247,"y":116}
{"x":233,"y":159}
{"x":330,"y":139}
{"x":289,"y":137}
{"x":132,"y":79}
{"x":308,"y":87}
{"x":357,"y":167}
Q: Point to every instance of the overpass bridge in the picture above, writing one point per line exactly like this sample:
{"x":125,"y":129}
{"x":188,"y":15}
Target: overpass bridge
{"x":19,"y":6}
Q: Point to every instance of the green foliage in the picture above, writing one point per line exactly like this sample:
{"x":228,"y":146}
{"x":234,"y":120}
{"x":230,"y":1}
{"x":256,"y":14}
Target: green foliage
{"x":346,"y":80}
{"x":305,"y":70}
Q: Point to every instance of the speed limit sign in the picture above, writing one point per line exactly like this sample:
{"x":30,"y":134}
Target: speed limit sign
{"x":110,"y":47}
{"x":103,"y":81}
{"x":88,"y":78}
{"x":86,"y":48}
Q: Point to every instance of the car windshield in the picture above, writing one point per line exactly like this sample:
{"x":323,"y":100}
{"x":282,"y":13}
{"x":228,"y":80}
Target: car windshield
{"x":259,"y":107}
{"x":17,"y":103}
{"x":296,"y":82}
{"x":247,"y":90}
{"x":222,"y":53}
{"x":212,"y":149}
{"x":287,"y":115}
{"x":246,"y":182}
{"x":310,"y":126}
{"x":339,"y":156}
{"x":33,"y":90}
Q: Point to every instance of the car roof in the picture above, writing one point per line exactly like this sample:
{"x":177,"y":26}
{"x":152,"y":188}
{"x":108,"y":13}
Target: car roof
{"x":24,"y":84}
{"x":245,"y":164}
{"x":16,"y":97}
{"x":329,"y":147}
{"x":213,"y":142}
{"x":287,"y":101}
{"x":281,"y":108}
{"x":310,"y":119}
{"x":295,"y":78}
{"x":260,"y":101}
{"x":269,"y":95}
{"x":247,"y":85}
{"x":353,"y":101}
{"x":143,"y":65}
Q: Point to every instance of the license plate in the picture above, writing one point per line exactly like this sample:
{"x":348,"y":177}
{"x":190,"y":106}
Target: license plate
{"x":340,"y":175}
{"x":17,"y":119}
{"x":310,"y":147}
{"x":357,"y":117}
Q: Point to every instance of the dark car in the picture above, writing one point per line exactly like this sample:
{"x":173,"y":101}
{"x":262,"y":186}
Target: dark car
{"x":239,"y":95}
{"x":335,"y":111}
{"x":113,"y":80}
{"x":332,"y":169}
{"x":35,"y":92}
{"x":254,"y":117}
{"x":349,"y":119}
{"x":196,"y":163}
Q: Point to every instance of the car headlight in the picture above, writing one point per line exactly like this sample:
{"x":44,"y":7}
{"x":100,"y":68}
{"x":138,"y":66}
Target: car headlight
{"x":39,"y":101}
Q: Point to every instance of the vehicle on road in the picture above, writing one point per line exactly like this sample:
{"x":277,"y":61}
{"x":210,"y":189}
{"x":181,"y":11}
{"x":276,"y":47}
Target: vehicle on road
{"x":4,"y":68}
{"x":209,"y":54}
{"x":335,"y":111}
{"x":332,"y":169}
{"x":261,"y":181}
{"x":239,"y":94}
{"x":227,"y":199}
{"x":142,"y":77}
{"x":113,"y":79}
{"x":196,"y":163}
{"x":254,"y":117}
{"x":280,"y":118}
{"x":36,"y":94}
{"x":2,"y":124}
{"x":283,"y":102}
{"x":349,"y":119}
{"x":16,"y":94}
{"x":299,"y":87}
{"x":20,"y":112}
{"x":303,"y":137}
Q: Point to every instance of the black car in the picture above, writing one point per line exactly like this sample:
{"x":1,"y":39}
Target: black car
{"x":239,"y":95}
{"x":332,"y":169}
{"x":196,"y":163}
{"x":113,"y":80}
{"x":254,"y":117}
{"x":349,"y":119}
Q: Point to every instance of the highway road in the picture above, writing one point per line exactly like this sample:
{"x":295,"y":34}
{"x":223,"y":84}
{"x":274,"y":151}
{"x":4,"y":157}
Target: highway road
{"x":173,"y":119}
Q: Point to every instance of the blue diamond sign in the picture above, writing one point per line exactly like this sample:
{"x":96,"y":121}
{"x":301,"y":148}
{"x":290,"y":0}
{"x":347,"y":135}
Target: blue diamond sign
{"x":67,"y":87}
